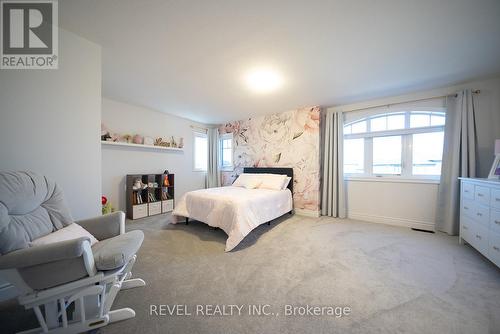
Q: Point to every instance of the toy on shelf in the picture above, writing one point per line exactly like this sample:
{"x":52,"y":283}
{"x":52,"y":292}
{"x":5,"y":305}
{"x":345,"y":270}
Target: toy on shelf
{"x":138,"y":185}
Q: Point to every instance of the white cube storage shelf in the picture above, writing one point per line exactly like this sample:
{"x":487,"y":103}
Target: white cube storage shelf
{"x":480,"y":216}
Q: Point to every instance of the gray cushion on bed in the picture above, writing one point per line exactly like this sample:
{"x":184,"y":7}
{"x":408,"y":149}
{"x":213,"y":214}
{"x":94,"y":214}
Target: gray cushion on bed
{"x":31,"y":206}
{"x":114,"y":252}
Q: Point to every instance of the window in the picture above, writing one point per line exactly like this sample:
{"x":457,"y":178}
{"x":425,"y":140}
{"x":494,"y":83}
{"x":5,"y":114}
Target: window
{"x":200,"y":152}
{"x":405,"y":144}
{"x":427,"y":152}
{"x":354,"y":156}
{"x":387,"y":155}
{"x":226,"y":151}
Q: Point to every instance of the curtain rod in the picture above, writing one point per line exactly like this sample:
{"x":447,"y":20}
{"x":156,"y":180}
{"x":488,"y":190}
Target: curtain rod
{"x":423,"y":99}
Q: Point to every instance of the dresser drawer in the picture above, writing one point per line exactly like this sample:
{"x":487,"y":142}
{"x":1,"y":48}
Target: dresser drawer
{"x":468,"y":208}
{"x":154,"y":208}
{"x":167,"y":206}
{"x":494,"y":248}
{"x":482,"y":195}
{"x":495,"y":220}
{"x":479,"y":238}
{"x":467,"y":190}
{"x":495,"y":198}
{"x":466,"y":228}
{"x":482,"y":215}
{"x":139,"y":211}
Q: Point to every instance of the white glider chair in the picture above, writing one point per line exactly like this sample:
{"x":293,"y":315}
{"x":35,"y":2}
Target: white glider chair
{"x":69,"y":278}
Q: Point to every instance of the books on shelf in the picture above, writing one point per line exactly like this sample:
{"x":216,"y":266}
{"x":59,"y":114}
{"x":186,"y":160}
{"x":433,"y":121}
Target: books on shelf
{"x":152,"y":197}
{"x":165,"y":195}
{"x":137,"y":198}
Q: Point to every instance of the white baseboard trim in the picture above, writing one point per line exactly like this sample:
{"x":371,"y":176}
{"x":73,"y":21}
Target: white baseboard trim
{"x":411,"y":223}
{"x":307,"y":213}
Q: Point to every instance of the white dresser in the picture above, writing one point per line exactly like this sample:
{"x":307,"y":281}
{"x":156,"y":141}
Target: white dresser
{"x":480,"y":216}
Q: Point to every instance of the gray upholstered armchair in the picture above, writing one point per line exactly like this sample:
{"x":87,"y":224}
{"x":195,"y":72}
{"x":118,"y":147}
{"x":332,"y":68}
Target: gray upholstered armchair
{"x":64,"y":270}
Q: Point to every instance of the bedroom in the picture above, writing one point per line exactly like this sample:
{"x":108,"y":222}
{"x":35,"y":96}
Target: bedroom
{"x":265,"y":166}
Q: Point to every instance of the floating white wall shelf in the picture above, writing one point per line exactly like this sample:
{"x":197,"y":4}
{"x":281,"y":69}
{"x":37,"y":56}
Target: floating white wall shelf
{"x":151,"y":147}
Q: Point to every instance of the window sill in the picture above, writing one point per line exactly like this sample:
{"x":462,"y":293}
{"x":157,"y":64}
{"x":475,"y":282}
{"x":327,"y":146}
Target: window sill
{"x":390,"y":180}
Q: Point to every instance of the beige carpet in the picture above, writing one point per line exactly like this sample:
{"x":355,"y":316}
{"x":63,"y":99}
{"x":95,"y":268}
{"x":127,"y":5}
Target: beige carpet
{"x":393,"y":279}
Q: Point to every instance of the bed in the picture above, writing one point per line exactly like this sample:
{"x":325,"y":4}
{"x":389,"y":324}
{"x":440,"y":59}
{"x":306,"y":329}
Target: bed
{"x":235,"y":209}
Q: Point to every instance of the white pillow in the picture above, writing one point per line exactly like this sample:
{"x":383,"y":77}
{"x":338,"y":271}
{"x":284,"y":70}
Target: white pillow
{"x":245,"y":178}
{"x":70,"y":232}
{"x":252,"y":184}
{"x":286,"y":182}
{"x":272,"y":181}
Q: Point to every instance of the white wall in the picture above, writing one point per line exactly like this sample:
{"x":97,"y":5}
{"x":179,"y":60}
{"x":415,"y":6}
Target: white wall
{"x":117,"y":162}
{"x":396,"y":203}
{"x":50,"y":122}
{"x":414,"y":204}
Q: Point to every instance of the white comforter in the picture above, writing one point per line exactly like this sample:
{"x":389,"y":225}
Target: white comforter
{"x":235,"y":210}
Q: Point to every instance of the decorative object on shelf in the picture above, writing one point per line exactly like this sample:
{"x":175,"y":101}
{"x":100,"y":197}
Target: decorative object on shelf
{"x":126,"y":138}
{"x":495,"y":168}
{"x":181,"y":143}
{"x":166,"y":183}
{"x":159,"y":142}
{"x":138,"y":139}
{"x":106,"y":206}
{"x":105,"y":135}
{"x":173,"y":143}
{"x":166,"y":171}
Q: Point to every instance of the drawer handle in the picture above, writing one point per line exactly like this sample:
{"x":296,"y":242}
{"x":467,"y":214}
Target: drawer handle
{"x":466,"y":208}
{"x":479,"y":214}
{"x":466,"y":191}
{"x":465,"y":227}
{"x":497,"y":222}
{"x":497,"y":199}
{"x":480,"y":195}
{"x":496,"y":248}
{"x":478,"y":236}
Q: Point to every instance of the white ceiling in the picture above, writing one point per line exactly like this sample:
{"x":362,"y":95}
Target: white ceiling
{"x":188,"y":58}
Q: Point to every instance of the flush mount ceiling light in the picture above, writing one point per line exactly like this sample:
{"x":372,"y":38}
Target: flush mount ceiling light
{"x":263,"y":80}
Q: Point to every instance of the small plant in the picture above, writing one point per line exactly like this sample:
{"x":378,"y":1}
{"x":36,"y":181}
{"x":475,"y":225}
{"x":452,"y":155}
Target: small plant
{"x":106,"y":206}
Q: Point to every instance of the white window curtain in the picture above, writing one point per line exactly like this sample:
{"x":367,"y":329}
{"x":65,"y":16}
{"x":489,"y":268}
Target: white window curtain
{"x":459,"y":159}
{"x":213,"y":172}
{"x":333,"y":192}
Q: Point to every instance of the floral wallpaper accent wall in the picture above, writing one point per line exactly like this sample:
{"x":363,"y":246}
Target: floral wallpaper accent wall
{"x":287,"y":139}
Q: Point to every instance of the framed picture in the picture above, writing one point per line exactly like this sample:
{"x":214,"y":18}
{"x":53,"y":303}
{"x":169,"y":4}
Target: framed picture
{"x":495,"y":168}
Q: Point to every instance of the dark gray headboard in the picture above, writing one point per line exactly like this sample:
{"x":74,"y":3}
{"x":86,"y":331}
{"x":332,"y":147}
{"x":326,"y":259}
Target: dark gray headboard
{"x":272,"y":170}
